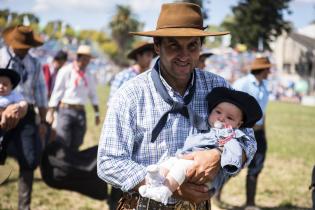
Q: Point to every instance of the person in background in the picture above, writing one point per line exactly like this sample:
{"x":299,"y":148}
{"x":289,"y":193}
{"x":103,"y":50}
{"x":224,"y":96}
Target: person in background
{"x":202,"y":59}
{"x":24,"y":133}
{"x":50,"y":71}
{"x":149,"y":117}
{"x":74,"y":86}
{"x":142,"y":55}
{"x":255,"y":84}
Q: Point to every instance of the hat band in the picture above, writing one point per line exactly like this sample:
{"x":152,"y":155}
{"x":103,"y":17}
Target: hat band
{"x":182,"y":26}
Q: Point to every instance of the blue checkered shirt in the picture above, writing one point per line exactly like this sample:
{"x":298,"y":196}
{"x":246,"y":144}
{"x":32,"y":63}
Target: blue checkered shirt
{"x":34,"y":88}
{"x":120,"y":79}
{"x":125,"y":147}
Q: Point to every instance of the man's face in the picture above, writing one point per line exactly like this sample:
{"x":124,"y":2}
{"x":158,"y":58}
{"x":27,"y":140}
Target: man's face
{"x":21,"y":53}
{"x":5,"y":86}
{"x":83,"y":61}
{"x":179,"y":56}
{"x":144,"y":59}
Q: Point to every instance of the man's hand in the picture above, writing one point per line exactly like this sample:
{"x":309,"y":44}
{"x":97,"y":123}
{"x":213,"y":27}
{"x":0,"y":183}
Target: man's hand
{"x":205,"y":167}
{"x":192,"y":192}
{"x":97,"y":120}
{"x":10,"y":117}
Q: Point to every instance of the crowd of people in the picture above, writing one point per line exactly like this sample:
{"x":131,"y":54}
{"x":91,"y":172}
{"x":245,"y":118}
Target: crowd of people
{"x":173,"y":133}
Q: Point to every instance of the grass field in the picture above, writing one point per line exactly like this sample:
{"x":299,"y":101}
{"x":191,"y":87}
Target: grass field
{"x":283,"y":183}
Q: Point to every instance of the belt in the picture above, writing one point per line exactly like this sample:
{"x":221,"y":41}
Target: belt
{"x":78,"y":107}
{"x":130,"y":201}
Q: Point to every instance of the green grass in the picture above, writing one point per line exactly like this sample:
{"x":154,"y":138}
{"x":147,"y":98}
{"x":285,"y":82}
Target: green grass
{"x":283,"y":184}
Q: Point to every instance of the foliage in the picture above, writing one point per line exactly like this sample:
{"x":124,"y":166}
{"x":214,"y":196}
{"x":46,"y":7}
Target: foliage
{"x":8,"y":18}
{"x":121,"y":24}
{"x":256,"y":20}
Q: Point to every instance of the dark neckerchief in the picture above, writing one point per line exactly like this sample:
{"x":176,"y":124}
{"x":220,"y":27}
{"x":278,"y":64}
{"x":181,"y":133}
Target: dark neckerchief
{"x":17,"y":65}
{"x":176,"y":106}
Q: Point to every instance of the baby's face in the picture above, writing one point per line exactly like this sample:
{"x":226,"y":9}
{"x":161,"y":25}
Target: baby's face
{"x":5,"y":86}
{"x":226,"y":113}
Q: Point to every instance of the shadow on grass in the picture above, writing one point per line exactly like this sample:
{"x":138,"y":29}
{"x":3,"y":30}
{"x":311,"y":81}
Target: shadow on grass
{"x":225,"y":206}
{"x":12,"y":180}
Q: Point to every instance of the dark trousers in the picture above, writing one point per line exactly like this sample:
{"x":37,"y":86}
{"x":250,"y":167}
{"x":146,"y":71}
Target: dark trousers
{"x":71,"y":127}
{"x":256,"y":166}
{"x":23,"y":143}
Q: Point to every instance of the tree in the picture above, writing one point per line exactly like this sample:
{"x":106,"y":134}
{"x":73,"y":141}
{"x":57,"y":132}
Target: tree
{"x":257,"y":21}
{"x":121,"y":24}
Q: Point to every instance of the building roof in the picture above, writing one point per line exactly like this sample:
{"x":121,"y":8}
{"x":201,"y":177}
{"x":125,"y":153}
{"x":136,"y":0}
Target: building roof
{"x":306,"y":41}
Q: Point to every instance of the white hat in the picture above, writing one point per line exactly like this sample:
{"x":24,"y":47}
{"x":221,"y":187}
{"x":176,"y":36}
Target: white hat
{"x":84,"y":50}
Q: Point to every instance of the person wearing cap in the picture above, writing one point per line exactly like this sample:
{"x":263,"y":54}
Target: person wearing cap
{"x":24,"y":133}
{"x":151,"y":115}
{"x":142,"y":55}
{"x":229,"y":110}
{"x":255,"y":84}
{"x":50,"y":71}
{"x":74,"y":86}
{"x":202,"y":59}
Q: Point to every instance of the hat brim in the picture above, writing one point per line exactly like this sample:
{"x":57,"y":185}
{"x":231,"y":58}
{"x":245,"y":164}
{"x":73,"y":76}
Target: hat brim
{"x":9,"y":40}
{"x":178,"y":32}
{"x":247,"y":103}
{"x":12,"y":74}
{"x":147,"y":47}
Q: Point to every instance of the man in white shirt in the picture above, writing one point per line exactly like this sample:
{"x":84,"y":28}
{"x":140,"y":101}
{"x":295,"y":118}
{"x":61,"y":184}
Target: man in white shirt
{"x":73,"y":87}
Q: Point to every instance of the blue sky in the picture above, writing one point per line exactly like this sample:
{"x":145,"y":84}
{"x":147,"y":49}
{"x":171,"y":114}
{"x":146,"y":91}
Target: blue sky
{"x":95,"y":14}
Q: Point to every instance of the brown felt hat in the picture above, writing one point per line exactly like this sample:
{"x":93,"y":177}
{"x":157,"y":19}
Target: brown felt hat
{"x":141,"y":47}
{"x":21,"y":37}
{"x":260,"y":63}
{"x":179,"y":20}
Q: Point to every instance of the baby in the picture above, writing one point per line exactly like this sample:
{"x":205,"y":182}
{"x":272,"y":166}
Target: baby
{"x":9,"y":79}
{"x":228,"y":111}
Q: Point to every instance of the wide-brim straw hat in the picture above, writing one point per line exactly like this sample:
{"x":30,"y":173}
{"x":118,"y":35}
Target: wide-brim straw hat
{"x":245,"y":102}
{"x":5,"y":172}
{"x":85,"y":50}
{"x":12,"y":74}
{"x":141,"y":47}
{"x":179,"y":20}
{"x":260,"y":63}
{"x":21,"y":37}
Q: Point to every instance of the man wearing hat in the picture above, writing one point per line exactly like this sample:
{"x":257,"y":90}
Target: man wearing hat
{"x":24,"y":132}
{"x":255,"y":84}
{"x":142,"y":54}
{"x":74,"y":86}
{"x":150,"y":117}
{"x":202,"y":59}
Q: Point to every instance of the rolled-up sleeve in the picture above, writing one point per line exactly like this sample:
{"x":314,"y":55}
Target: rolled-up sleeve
{"x":117,"y":140}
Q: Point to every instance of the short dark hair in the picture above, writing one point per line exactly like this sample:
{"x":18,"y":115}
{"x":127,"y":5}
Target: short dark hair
{"x":61,"y":56}
{"x":158,"y":40}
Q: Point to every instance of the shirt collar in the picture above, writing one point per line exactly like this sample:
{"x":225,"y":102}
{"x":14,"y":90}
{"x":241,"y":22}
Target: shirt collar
{"x":170,"y":89}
